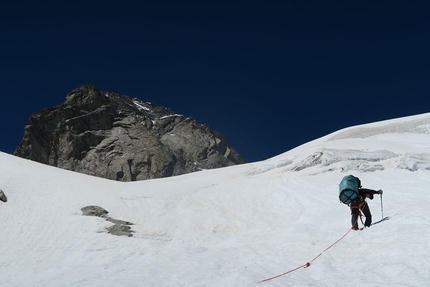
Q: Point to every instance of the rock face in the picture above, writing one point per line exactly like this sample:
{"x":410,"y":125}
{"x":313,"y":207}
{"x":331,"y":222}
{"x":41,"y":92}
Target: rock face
{"x":116,"y":137}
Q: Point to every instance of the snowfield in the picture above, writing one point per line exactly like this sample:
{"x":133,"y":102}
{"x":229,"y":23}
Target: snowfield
{"x":234,"y":226}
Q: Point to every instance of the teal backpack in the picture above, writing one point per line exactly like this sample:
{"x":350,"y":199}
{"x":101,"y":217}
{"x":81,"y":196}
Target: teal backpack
{"x":348,"y":189}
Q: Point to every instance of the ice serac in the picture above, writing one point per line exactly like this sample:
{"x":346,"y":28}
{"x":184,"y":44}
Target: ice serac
{"x":116,"y":137}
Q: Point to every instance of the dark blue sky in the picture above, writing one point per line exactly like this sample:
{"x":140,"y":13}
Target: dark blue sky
{"x":269,"y":75}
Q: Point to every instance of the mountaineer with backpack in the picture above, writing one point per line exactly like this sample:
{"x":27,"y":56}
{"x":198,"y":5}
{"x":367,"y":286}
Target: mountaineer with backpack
{"x":352,"y":194}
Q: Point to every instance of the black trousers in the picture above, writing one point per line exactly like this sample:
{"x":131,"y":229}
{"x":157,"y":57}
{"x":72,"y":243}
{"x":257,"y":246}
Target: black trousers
{"x":355,"y":211}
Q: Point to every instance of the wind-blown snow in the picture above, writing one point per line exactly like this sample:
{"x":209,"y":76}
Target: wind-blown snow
{"x":140,"y":106}
{"x":233,"y":226}
{"x":171,"y":116}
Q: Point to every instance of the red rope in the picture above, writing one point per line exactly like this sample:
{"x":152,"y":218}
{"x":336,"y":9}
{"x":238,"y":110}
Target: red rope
{"x":303,"y":266}
{"x":307,"y":264}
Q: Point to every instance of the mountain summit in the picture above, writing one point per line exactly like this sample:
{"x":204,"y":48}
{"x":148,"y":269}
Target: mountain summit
{"x":116,"y":137}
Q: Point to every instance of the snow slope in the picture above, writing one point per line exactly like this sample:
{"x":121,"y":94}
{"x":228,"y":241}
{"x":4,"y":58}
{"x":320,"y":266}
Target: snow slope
{"x":234,"y":226}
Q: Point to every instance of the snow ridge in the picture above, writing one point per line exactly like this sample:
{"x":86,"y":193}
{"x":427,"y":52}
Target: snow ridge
{"x":230,"y":226}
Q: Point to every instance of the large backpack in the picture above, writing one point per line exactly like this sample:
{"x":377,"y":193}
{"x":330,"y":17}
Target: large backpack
{"x":348,"y":188}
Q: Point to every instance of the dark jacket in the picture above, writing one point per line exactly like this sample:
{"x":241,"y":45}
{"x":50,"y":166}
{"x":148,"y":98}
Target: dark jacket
{"x":360,"y":204}
{"x":363,"y":193}
{"x":367,"y":193}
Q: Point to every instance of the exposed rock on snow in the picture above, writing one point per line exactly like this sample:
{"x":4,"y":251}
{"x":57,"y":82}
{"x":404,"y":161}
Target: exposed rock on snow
{"x":119,"y":227}
{"x":3,"y":196}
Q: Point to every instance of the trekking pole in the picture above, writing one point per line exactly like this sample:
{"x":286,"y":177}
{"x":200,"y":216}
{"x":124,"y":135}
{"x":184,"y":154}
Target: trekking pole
{"x":382,"y":209}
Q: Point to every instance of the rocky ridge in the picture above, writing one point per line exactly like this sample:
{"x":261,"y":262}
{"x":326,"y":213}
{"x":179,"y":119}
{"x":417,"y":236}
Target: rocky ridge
{"x":116,"y":137}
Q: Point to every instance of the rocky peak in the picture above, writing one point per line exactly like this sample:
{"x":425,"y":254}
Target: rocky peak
{"x":86,"y":96}
{"x":116,"y":137}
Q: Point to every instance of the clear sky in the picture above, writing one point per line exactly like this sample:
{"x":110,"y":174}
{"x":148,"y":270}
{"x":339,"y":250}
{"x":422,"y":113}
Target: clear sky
{"x":269,"y":75}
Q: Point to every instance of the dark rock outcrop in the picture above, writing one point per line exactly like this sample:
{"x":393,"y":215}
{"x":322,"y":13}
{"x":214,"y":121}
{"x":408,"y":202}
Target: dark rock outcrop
{"x":3,"y":196}
{"x":119,"y":227}
{"x":116,"y":137}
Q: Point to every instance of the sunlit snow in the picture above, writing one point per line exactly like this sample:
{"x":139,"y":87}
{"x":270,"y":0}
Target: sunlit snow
{"x":233,"y":226}
{"x":140,"y":106}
